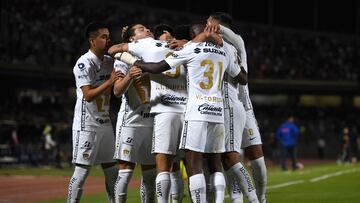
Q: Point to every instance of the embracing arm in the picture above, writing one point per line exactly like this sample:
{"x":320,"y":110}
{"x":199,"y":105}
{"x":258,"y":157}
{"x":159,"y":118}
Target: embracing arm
{"x":154,"y":68}
{"x":149,"y":67}
{"x":118,"y":48}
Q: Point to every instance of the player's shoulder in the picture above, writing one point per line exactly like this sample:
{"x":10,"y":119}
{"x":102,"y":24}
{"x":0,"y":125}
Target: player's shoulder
{"x":83,"y":62}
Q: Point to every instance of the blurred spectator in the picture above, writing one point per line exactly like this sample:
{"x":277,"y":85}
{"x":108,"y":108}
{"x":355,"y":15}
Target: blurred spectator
{"x":344,"y":156}
{"x":321,"y":143}
{"x":49,"y":146}
{"x":288,"y":134}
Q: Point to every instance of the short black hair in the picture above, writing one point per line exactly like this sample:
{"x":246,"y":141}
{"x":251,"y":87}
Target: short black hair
{"x":223,"y":17}
{"x":197,"y":28}
{"x":92,"y":28}
{"x":182,"y":31}
{"x":160,"y":28}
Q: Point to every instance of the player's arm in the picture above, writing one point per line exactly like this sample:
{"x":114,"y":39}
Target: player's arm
{"x":122,"y":84}
{"x":91,"y":93}
{"x":118,"y":48}
{"x":242,"y":77}
{"x":232,"y":38}
{"x":149,"y":67}
{"x":209,"y":35}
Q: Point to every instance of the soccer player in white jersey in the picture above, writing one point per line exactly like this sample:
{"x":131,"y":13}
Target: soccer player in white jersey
{"x":93,"y":136}
{"x":203,"y":130}
{"x":251,"y":136}
{"x":168,"y":99}
{"x":134,"y":131}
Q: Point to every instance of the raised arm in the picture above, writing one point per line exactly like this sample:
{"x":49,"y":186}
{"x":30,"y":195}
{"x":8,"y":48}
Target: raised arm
{"x":122,"y":84}
{"x":232,"y":38}
{"x":209,"y":35}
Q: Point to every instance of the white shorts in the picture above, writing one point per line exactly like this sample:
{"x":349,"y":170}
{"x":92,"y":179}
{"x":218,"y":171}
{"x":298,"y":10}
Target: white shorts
{"x":133,"y":144}
{"x":251,"y":135}
{"x":235,"y":118}
{"x":203,"y":136}
{"x":167,"y":131}
{"x":93,"y":146}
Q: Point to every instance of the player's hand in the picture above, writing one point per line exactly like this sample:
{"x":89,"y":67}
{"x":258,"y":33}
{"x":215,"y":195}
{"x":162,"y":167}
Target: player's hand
{"x":176,"y":43}
{"x":213,"y":27}
{"x":119,"y":74}
{"x":134,"y":72}
{"x":114,"y":76}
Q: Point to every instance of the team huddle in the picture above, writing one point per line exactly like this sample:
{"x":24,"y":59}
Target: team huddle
{"x":182,"y":98}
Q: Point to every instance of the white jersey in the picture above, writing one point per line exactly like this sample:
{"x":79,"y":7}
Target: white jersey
{"x":230,"y":89}
{"x":168,"y":90}
{"x":135,"y":106}
{"x":90,"y":70}
{"x":206,"y":64}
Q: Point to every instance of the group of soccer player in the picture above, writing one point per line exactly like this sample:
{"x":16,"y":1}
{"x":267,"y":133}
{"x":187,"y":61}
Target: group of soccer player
{"x":182,"y":99}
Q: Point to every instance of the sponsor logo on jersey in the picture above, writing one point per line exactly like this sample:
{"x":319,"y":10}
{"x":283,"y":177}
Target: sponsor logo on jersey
{"x":158,"y":44}
{"x":210,"y":109}
{"x":213,"y":50}
{"x":197,"y":50}
{"x":173,"y":99}
{"x":81,"y":66}
{"x":174,"y":55}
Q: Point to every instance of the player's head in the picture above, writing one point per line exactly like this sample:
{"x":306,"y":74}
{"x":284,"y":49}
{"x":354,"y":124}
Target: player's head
{"x":163,"y":32}
{"x":135,"y":32}
{"x":197,"y":28}
{"x":220,"y":18}
{"x":98,"y":35}
{"x":182,"y":32}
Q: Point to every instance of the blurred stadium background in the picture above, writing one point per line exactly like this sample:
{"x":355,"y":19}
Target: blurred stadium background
{"x":303,"y":58}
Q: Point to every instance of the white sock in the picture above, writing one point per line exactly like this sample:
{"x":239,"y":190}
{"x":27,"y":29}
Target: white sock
{"x":110,"y":174}
{"x":177,"y":187}
{"x":197,"y":187}
{"x":147,"y":190}
{"x":162,"y":187}
{"x":245,"y":181}
{"x":217,"y":182}
{"x":233,"y":188}
{"x":260,"y":177}
{"x":76,"y":184}
{"x":121,"y":185}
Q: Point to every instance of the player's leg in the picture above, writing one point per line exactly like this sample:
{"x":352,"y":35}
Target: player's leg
{"x":165,"y":146}
{"x":108,"y":163}
{"x":217,"y":179}
{"x":85,"y":150}
{"x":231,"y":164}
{"x":257,"y":162}
{"x":233,"y":186}
{"x":177,"y":183}
{"x":147,"y":188}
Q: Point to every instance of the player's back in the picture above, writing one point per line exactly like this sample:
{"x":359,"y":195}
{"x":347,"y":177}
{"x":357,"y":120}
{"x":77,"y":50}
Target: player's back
{"x":168,"y":90}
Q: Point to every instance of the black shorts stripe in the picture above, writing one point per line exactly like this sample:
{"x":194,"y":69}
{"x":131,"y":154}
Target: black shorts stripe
{"x":184,"y":135}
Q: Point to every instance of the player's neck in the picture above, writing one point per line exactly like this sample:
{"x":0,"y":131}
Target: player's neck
{"x":98,"y":53}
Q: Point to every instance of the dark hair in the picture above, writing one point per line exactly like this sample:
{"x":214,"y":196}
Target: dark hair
{"x":223,"y":17}
{"x":92,"y":29}
{"x":160,"y":28}
{"x":197,"y":28}
{"x":127,"y":32}
{"x":182,"y":32}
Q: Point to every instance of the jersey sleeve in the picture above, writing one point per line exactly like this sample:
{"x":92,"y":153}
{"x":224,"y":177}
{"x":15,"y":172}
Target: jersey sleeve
{"x":233,"y":68}
{"x":121,"y":66}
{"x":180,"y":57}
{"x":83,"y":73}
